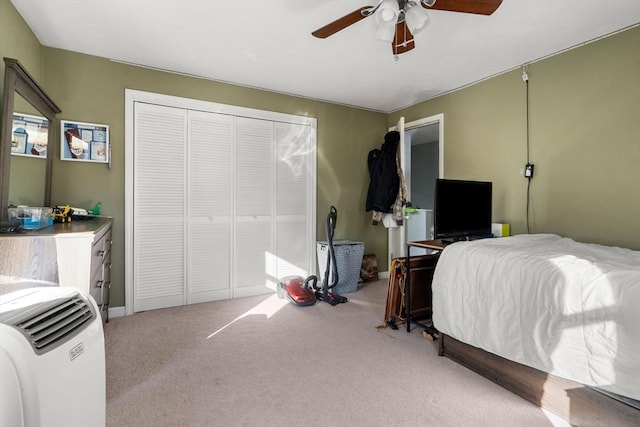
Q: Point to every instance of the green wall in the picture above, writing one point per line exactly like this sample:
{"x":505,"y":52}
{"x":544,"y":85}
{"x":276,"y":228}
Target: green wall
{"x":17,"y":41}
{"x":584,"y":141}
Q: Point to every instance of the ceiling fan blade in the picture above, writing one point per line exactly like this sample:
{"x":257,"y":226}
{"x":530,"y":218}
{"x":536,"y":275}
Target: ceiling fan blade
{"x":480,"y":7}
{"x":403,"y":41}
{"x":340,"y":23}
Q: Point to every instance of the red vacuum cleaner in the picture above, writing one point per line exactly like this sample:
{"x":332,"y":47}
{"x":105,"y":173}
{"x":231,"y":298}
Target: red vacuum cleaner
{"x":305,"y":292}
{"x":297,"y":290}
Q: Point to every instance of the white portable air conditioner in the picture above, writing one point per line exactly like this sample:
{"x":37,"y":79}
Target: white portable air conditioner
{"x":52,"y":367}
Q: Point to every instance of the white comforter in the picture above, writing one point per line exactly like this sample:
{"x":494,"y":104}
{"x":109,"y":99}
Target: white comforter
{"x":568,"y":308}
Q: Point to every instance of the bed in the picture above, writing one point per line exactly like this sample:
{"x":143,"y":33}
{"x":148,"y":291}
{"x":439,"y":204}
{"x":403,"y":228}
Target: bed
{"x":565,"y":311}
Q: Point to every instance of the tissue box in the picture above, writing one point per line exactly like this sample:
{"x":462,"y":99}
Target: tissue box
{"x":500,"y":229}
{"x":32,"y":218}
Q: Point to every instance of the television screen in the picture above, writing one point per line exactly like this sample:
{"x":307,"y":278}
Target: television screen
{"x":462,"y":209}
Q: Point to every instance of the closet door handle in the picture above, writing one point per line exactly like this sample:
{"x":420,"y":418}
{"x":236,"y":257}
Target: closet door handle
{"x":99,"y":283}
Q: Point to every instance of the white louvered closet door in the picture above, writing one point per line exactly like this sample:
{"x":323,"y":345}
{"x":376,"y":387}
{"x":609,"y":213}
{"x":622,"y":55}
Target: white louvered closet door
{"x":160,"y":135}
{"x":294,"y":199}
{"x":254,"y":205}
{"x":210,"y":209}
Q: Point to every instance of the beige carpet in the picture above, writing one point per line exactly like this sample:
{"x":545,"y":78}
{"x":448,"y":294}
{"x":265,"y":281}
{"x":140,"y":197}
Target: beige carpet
{"x":260,"y":361}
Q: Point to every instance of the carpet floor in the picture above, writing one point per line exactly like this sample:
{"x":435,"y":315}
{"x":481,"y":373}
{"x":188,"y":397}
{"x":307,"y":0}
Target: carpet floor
{"x":260,"y":361}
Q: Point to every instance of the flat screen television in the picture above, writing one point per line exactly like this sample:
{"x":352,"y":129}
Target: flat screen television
{"x":462,"y":209}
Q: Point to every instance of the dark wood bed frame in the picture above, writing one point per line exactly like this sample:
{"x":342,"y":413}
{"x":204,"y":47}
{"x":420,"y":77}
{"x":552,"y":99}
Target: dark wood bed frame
{"x":576,"y":403}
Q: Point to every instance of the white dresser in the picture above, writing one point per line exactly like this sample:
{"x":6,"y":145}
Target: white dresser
{"x":75,"y":254}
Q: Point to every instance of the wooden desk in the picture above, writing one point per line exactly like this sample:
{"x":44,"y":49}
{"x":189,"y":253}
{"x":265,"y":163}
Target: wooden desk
{"x":436,"y":245}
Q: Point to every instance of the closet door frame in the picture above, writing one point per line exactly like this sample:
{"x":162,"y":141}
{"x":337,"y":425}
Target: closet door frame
{"x":133,"y":96}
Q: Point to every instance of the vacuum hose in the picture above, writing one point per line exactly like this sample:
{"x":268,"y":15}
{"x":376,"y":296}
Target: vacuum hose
{"x":332,"y":218}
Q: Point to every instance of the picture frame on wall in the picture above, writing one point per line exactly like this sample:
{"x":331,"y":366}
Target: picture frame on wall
{"x":86,"y":142}
{"x":29,"y":136}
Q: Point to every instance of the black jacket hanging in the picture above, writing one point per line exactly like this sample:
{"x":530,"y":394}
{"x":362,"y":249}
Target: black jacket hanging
{"x":383,"y":173}
{"x":372,"y":161}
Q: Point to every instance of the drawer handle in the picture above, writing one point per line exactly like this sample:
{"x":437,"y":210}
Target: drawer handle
{"x":101,"y":253}
{"x":99,"y":283}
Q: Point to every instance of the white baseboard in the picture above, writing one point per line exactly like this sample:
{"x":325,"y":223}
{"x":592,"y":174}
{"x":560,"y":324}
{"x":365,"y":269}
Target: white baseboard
{"x":383,"y":274}
{"x":116,"y":312}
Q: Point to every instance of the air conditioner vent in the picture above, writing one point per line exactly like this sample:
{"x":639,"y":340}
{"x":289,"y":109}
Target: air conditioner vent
{"x":56,"y":325}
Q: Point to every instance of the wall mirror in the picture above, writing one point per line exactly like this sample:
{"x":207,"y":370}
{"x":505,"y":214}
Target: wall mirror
{"x":25,"y":179}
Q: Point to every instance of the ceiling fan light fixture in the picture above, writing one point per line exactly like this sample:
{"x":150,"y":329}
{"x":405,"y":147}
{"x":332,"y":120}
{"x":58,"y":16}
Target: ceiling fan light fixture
{"x":387,"y":12}
{"x":386,"y":32}
{"x":386,"y":20}
{"x":416,"y":19}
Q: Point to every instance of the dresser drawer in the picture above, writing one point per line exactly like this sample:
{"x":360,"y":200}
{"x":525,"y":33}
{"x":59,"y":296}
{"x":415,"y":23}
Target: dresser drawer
{"x":96,"y":287}
{"x":101,"y":272}
{"x":100,"y":251}
{"x":101,"y":283}
{"x":106,"y":279}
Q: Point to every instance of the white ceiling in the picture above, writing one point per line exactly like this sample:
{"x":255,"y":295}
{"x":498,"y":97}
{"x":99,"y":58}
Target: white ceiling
{"x":267,"y":44}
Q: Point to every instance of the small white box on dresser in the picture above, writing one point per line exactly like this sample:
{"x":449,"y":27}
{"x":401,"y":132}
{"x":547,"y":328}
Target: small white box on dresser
{"x":500,"y":229}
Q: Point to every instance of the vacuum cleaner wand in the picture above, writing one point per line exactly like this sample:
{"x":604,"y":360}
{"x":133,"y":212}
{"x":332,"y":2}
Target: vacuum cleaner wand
{"x":324,"y":293}
{"x":332,"y":267}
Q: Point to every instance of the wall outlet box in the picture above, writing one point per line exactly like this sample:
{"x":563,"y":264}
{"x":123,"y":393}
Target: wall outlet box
{"x":528,"y":170}
{"x":499,"y":229}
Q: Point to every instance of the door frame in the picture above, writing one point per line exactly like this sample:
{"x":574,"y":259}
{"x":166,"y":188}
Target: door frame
{"x":397,"y":237}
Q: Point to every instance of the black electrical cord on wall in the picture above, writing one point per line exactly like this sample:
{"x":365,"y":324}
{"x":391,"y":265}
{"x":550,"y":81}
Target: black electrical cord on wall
{"x":525,"y":78}
{"x":528,"y":203}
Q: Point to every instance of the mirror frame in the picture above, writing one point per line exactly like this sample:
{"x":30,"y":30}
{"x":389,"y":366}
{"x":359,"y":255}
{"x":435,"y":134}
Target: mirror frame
{"x":18,"y":80}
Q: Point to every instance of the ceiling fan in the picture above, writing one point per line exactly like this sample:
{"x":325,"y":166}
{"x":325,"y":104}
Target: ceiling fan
{"x":399,"y":20}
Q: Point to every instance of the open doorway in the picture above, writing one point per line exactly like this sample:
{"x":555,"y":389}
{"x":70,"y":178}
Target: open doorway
{"x":422,"y":161}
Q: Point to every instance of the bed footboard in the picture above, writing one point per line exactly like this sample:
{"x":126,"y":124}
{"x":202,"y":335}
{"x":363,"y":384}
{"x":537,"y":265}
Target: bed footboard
{"x":574,"y":402}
